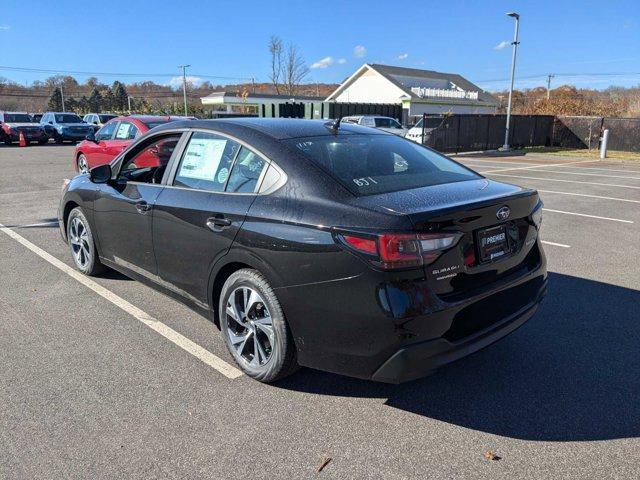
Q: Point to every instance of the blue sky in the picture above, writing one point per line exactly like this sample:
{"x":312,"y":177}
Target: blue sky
{"x":588,"y":39}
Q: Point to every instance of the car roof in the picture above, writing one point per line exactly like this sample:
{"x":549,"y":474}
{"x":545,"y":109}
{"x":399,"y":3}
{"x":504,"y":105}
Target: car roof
{"x":277,"y":128}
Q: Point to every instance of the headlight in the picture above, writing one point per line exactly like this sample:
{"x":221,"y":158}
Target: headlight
{"x":536,"y":216}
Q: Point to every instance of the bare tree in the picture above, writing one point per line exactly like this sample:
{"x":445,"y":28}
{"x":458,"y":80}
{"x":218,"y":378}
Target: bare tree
{"x":276,"y":49}
{"x":295,"y":70}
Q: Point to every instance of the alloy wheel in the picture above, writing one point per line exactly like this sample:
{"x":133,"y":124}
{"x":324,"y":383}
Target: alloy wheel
{"x":79,"y":240}
{"x":250,"y":327}
{"x":83,"y":167}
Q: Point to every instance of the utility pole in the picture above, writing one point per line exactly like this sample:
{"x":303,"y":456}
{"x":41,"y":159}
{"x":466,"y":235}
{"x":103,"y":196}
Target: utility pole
{"x":62,"y":96}
{"x":184,"y":86}
{"x":129,"y":103}
{"x":253,"y":85}
{"x":513,"y":73}
{"x":549,"y":77}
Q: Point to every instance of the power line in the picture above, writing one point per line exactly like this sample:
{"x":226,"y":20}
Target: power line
{"x":114,"y":74}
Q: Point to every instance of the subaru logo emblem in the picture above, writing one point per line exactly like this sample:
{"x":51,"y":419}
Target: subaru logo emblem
{"x":503,"y":213}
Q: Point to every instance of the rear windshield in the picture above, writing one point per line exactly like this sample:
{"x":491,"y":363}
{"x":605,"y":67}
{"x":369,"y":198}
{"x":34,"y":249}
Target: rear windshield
{"x":17,"y":118}
{"x":105,"y":118}
{"x":371,"y":164}
{"x":67,"y":118}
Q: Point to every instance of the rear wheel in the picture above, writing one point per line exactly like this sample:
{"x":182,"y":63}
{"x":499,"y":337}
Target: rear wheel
{"x":82,"y":244}
{"x":254,"y":327}
{"x":58,"y":139}
{"x":83,"y":166}
{"x":8,"y":142}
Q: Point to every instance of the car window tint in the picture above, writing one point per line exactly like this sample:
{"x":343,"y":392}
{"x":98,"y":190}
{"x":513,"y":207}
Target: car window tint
{"x":246,"y":172}
{"x":149,"y":163}
{"x":206,"y":162}
{"x":126,"y":131}
{"x":371,"y":164}
{"x":382,"y":123}
{"x":106,"y":132}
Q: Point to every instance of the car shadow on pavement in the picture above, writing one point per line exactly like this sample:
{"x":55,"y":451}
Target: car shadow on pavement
{"x":572,"y":373}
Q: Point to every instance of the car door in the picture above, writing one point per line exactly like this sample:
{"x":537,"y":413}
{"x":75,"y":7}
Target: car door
{"x":96,"y":152}
{"x":123,"y":208}
{"x":197,"y":216}
{"x":125,"y":134}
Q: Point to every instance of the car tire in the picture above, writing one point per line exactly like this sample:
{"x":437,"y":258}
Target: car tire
{"x":8,"y":142}
{"x":58,"y":138}
{"x":83,"y":166}
{"x":43,"y":142}
{"x":82,"y":244}
{"x":260,"y":342}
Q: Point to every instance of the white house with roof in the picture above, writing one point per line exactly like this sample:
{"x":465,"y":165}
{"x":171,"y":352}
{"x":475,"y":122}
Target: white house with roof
{"x":234,"y":101}
{"x":419,"y":91}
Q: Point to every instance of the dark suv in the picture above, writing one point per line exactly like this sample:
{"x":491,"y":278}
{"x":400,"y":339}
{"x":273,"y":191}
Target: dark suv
{"x":65,"y":126}
{"x":12,"y":123}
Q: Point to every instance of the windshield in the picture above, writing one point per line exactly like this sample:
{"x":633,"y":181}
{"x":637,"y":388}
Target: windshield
{"x":371,"y":164}
{"x":67,"y":118}
{"x":106,"y":118}
{"x":17,"y":118}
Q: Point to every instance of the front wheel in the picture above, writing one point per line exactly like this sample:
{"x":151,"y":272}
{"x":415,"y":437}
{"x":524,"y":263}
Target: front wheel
{"x":82,"y":244}
{"x":254,"y":327}
{"x":58,"y":139}
{"x":83,"y":165}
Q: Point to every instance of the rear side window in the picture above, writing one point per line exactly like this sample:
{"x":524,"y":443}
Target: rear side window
{"x":372,"y":164}
{"x":206,"y":162}
{"x":246,"y":172}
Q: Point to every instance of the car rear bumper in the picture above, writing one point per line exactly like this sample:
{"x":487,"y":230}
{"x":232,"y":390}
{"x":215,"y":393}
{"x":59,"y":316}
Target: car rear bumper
{"x":399,"y":330}
{"x":422,"y":359}
{"x":29,"y":136}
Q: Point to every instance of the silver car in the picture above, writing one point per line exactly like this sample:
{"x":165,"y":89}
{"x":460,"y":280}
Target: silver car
{"x":387,"y":124}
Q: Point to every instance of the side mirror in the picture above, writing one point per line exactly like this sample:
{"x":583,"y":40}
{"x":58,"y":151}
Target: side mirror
{"x":100,"y":174}
{"x":91,"y":136}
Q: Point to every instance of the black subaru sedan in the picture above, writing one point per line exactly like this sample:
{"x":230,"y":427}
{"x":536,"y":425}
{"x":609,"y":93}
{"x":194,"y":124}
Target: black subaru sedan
{"x":314,"y":243}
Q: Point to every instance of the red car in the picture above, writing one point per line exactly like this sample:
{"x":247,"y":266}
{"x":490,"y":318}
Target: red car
{"x":116,"y":135}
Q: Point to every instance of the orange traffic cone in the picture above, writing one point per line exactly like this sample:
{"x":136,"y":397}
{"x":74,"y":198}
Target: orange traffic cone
{"x":23,"y":141}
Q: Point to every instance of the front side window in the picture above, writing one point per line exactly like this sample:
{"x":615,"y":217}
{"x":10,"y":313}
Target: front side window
{"x":126,"y":131}
{"x":372,"y":164}
{"x":383,"y":122}
{"x":367,"y":122}
{"x":149,"y":163}
{"x":106,"y":132}
{"x":246,"y":172}
{"x":206,"y":162}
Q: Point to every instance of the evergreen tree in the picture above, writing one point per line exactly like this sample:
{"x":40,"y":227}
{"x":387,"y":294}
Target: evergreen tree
{"x":120,"y":96}
{"x":95,"y":101}
{"x":108,"y":100}
{"x":55,"y":101}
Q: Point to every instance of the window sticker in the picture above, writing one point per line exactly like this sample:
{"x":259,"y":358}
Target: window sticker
{"x":223,"y":174}
{"x":123,"y":130}
{"x":202,"y":158}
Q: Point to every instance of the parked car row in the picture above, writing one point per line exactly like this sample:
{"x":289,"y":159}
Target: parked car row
{"x":59,"y":126}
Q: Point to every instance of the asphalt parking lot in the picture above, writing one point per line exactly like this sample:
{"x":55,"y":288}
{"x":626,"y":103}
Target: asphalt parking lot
{"x":89,"y":390}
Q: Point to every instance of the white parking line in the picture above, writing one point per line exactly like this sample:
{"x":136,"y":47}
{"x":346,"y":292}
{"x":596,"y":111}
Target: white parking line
{"x":629,"y":170}
{"x":585,"y":215}
{"x":566,"y":181}
{"x":463,"y":159}
{"x":556,"y":244}
{"x":539,"y":166}
{"x":573,"y":173}
{"x":183,"y":342}
{"x":591,"y":196}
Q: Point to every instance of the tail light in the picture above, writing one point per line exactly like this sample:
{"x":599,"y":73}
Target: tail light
{"x":392,"y":250}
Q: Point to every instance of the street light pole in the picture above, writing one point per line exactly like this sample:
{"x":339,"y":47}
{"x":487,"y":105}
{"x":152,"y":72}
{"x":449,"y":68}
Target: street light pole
{"x":513,"y":73}
{"x":184,"y":86}
{"x":129,"y":103}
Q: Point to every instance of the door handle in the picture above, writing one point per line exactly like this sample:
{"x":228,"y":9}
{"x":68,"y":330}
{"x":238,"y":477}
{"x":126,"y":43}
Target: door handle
{"x":143,"y":207}
{"x":217,"y":224}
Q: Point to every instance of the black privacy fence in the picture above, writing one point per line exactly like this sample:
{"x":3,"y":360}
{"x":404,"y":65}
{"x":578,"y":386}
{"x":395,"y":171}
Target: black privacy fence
{"x":466,"y":133}
{"x":328,"y":110}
